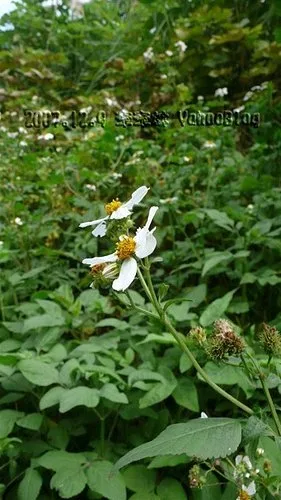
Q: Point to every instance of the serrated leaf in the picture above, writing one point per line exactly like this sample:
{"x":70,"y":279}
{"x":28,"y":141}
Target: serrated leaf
{"x":216,"y":309}
{"x":30,"y":485}
{"x":100,"y":480}
{"x":69,"y":481}
{"x":203,"y":438}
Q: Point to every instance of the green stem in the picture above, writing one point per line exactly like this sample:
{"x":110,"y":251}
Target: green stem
{"x":261,"y":376}
{"x":181,"y":342}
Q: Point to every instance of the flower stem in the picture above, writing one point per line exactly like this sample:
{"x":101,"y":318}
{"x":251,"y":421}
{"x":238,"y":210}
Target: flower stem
{"x":150,"y":292}
{"x":261,"y":376}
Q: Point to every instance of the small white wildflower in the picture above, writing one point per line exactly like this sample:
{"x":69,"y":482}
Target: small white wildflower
{"x":116,"y":175}
{"x":12,"y":135}
{"x":163,"y":77}
{"x":58,"y":150}
{"x":240,"y":459}
{"x":200,"y":98}
{"x":169,"y":53}
{"x":187,"y":159}
{"x":111,"y":102}
{"x":181,"y":46}
{"x":250,"y":208}
{"x":148,"y":54}
{"x":248,"y":95}
{"x":23,"y":144}
{"x":152,"y":30}
{"x":18,"y":221}
{"x":141,"y":245}
{"x":250,"y":490}
{"x":35,"y":98}
{"x":257,"y":471}
{"x":221,"y":92}
{"x":247,"y":475}
{"x":13,"y":113}
{"x":239,"y":109}
{"x":203,"y":415}
{"x":46,"y":137}
{"x":3,"y":129}
{"x":116,"y":210}
{"x":91,"y":187}
{"x":1,"y":243}
{"x":22,"y":130}
{"x":260,"y":451}
{"x":119,"y":138}
{"x":209,"y":145}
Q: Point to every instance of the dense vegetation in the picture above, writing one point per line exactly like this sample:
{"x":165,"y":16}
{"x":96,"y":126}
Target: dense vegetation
{"x":85,"y":375}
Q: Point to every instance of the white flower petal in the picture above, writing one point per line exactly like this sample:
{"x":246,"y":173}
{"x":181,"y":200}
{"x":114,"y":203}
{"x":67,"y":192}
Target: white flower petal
{"x":136,"y":197}
{"x":152,"y":212}
{"x":126,"y":276}
{"x":120,"y":213}
{"x":238,"y":459}
{"x":93,"y":222}
{"x":100,"y":260}
{"x":100,"y":230}
{"x":203,"y":415}
{"x":247,"y":461}
{"x":251,"y":489}
{"x":145,"y":243}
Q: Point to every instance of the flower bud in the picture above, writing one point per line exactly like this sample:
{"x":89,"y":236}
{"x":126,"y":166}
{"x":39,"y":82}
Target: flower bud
{"x":198,"y":334}
{"x":224,"y":341}
{"x":271,"y":340}
{"x":267,"y":466}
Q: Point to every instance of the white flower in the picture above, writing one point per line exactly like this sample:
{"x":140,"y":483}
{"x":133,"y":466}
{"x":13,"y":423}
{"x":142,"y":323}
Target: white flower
{"x":1,"y":243}
{"x":250,"y":490}
{"x":200,"y":98}
{"x":116,"y":210}
{"x":23,"y":143}
{"x":152,"y":31}
{"x":46,"y":137}
{"x":3,"y":129}
{"x":12,"y":135}
{"x":111,"y":102}
{"x":169,"y":53}
{"x":119,"y":138}
{"x":163,"y":77}
{"x":91,"y":187}
{"x":141,"y":245}
{"x":22,"y":130}
{"x":203,"y":415}
{"x":181,"y":46}
{"x":250,"y":208}
{"x":18,"y":221}
{"x":148,"y":54}
{"x":186,"y":158}
{"x":240,"y":459}
{"x":209,"y":145}
{"x":116,"y":175}
{"x":239,"y":109}
{"x":260,"y":452}
{"x":221,"y":92}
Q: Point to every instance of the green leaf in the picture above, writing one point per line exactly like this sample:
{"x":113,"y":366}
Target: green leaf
{"x":100,"y":480}
{"x":185,"y":363}
{"x":51,"y":398}
{"x":69,"y":481}
{"x":33,"y":421}
{"x":110,"y":391}
{"x":203,"y":438}
{"x":79,"y":396}
{"x":221,"y":219}
{"x":160,"y":391}
{"x":8,"y":418}
{"x":168,"y":461}
{"x":37,"y":372}
{"x":170,"y":489}
{"x":215,"y":260}
{"x":139,"y":479}
{"x":30,"y":485}
{"x":216,"y":309}
{"x":42,"y":321}
{"x":185,"y":394}
{"x":165,"y":338}
{"x":54,"y":460}
{"x":145,"y":496}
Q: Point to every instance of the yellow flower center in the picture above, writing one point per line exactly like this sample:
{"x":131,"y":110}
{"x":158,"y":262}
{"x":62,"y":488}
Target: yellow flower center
{"x":126,"y":247}
{"x":243,"y":495}
{"x":112,"y":206}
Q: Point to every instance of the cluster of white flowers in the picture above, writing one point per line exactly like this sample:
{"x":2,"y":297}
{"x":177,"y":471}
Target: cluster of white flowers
{"x":111,"y":101}
{"x":243,"y":471}
{"x":18,"y":221}
{"x":221,"y":92}
{"x":169,"y":53}
{"x":128,"y":248}
{"x":148,"y":54}
{"x":181,"y":46}
{"x":91,"y":187}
